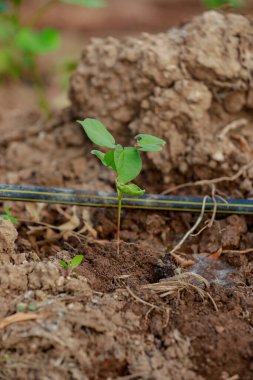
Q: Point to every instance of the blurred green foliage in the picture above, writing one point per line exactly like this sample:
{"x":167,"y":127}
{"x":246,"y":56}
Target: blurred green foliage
{"x":8,"y":215}
{"x":219,"y":3}
{"x":20,"y":44}
{"x":20,"y":47}
{"x":86,"y":3}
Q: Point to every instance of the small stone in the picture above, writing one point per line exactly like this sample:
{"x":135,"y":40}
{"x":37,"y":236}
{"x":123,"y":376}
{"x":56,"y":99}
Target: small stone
{"x":219,"y":329}
{"x":218,"y":156}
{"x":246,"y":185}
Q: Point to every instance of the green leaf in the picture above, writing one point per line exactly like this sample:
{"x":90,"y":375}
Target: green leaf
{"x":151,"y":148}
{"x":109,"y":159}
{"x":64,"y":264}
{"x":49,"y":40}
{"x":236,"y":3}
{"x":143,"y":140}
{"x":86,"y":3}
{"x":8,"y":215}
{"x":31,"y":307}
{"x":21,"y":307}
{"x":130,"y":189}
{"x":99,"y":155}
{"x":128,"y":165}
{"x":117,"y":153}
{"x":37,"y":42}
{"x":97,"y":133}
{"x":76,"y":261}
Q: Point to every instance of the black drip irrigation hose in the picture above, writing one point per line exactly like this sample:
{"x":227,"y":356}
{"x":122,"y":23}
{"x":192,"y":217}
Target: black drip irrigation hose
{"x":100,"y":199}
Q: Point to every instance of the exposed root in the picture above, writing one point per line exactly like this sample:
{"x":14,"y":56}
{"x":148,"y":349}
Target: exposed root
{"x":151,"y":305}
{"x":191,"y":230}
{"x":187,"y":281}
{"x":242,"y":252}
{"x":217,"y":254}
{"x":240,"y":123}
{"x":203,"y":182}
{"x":211,"y":221}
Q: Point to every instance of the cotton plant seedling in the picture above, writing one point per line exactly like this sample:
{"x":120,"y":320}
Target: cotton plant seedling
{"x":126,"y":162}
{"x":71,"y":264}
{"x":8,"y":215}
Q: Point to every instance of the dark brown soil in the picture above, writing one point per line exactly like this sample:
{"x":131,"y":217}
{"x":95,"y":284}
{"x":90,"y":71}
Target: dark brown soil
{"x":101,"y":322}
{"x":98,"y":325}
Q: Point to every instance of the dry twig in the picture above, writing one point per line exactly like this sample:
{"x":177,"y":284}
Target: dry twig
{"x":242,"y":252}
{"x":232,"y":126}
{"x":20,"y":317}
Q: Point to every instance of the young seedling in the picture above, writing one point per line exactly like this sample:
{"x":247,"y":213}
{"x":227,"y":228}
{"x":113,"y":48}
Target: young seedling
{"x":125,"y":162}
{"x":8,"y":215}
{"x":72,"y":264}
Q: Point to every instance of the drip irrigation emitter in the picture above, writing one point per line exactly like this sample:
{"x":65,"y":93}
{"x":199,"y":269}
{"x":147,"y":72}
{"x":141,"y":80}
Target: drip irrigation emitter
{"x":101,"y":199}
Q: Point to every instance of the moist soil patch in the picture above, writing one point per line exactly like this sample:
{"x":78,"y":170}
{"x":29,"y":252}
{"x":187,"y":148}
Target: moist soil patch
{"x":102,"y":322}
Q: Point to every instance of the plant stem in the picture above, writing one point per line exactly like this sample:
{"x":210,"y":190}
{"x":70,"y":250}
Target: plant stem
{"x":119,"y":219}
{"x":40,"y":91}
{"x":39,"y":13}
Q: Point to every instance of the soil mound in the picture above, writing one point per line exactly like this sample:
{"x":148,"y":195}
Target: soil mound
{"x":191,"y":86}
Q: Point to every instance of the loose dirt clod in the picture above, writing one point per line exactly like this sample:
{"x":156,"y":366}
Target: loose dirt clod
{"x":8,"y":236}
{"x":190,"y":86}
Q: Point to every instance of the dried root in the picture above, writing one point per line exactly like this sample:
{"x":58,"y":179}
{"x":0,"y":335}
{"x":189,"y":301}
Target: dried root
{"x":213,"y":181}
{"x":186,"y":281}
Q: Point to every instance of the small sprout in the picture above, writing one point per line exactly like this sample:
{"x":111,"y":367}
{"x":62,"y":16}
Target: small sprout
{"x":31,"y":307}
{"x":21,"y":307}
{"x":72,"y":264}
{"x":8,"y":215}
{"x":125,"y":162}
{"x":25,"y":307}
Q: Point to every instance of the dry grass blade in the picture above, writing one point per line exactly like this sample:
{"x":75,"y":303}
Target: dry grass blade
{"x":20,"y":317}
{"x":187,"y":281}
{"x":240,"y":252}
{"x":151,"y":305}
